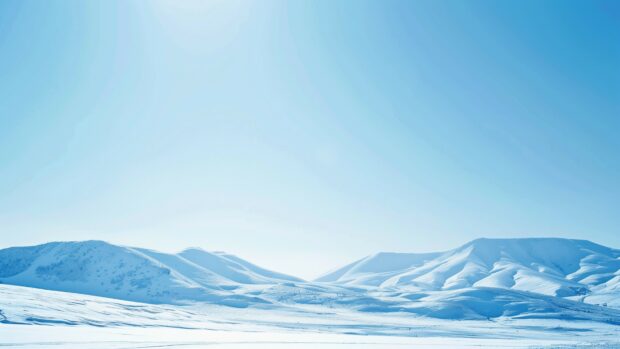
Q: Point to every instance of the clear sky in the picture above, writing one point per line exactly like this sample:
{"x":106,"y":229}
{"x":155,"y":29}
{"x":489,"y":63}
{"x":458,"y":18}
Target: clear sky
{"x":303,"y":135}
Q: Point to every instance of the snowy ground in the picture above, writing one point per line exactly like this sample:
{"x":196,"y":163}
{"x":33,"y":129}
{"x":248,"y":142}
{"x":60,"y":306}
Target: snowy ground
{"x":32,"y":318}
{"x":41,"y":337}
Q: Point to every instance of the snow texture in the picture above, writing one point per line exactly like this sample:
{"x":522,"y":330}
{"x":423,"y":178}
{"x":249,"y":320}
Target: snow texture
{"x":559,"y":289}
{"x":574,"y":269}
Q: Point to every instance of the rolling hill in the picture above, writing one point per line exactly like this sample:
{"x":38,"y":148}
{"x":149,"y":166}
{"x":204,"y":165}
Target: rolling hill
{"x":576,"y":269}
{"x":135,"y":274}
{"x":485,"y":278}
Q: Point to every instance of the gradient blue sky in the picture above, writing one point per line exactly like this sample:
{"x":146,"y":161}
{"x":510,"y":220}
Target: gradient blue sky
{"x":302,"y":135}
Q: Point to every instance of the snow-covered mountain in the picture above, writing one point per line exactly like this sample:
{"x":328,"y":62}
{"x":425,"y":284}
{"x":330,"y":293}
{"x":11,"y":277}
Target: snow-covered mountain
{"x":485,"y":278}
{"x":376,"y":269}
{"x":136,"y":274}
{"x":577,"y":269}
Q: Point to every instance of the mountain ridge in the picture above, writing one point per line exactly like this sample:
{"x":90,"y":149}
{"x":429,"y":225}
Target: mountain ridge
{"x":99,"y":268}
{"x":570,"y":269}
{"x":550,"y":266}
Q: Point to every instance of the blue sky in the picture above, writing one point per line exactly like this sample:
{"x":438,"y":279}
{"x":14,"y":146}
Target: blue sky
{"x":302,"y":135}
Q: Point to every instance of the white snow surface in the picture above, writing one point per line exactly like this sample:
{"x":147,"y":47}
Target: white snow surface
{"x":34,"y":318}
{"x":489,"y":292}
{"x":576,"y":269}
{"x":136,"y":274}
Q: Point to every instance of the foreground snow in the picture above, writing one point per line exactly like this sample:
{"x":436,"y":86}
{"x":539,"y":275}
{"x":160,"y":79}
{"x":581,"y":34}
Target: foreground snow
{"x":33,"y":318}
{"x":41,"y":337}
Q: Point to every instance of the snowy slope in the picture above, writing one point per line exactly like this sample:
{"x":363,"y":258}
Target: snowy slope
{"x":548,"y":266}
{"x":102,"y":269}
{"x":30,"y":306}
{"x":374,"y":270}
{"x":233,"y":267}
{"x":544,"y":273}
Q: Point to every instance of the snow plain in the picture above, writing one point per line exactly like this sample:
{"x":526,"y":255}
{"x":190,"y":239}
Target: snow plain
{"x":517,"y":293}
{"x":33,"y":318}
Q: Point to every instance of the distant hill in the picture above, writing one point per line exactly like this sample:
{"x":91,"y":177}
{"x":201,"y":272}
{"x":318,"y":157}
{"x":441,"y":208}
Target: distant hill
{"x":102,"y":269}
{"x":485,"y":278}
{"x":576,"y":269}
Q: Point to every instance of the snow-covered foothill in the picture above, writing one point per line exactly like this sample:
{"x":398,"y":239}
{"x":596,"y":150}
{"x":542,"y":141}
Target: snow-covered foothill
{"x":576,"y":269}
{"x":136,"y":274}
